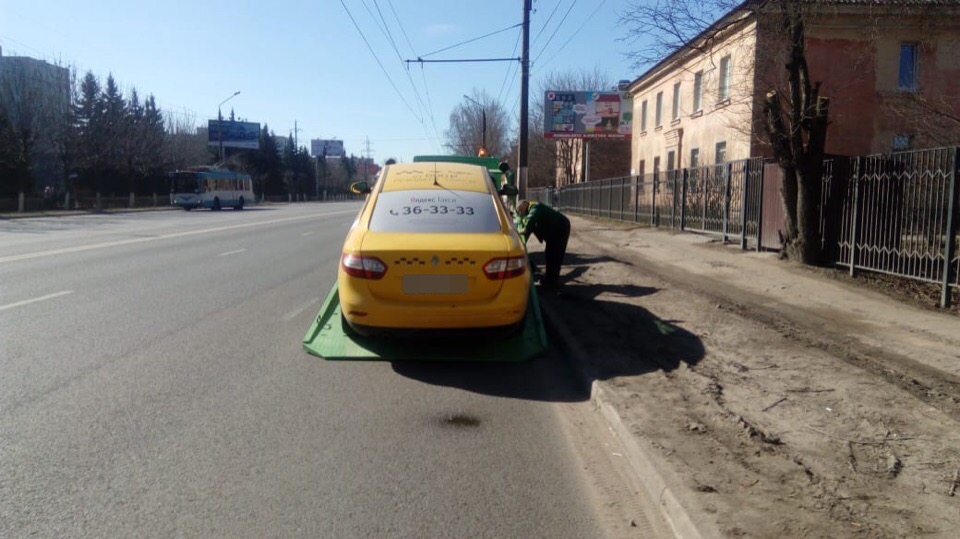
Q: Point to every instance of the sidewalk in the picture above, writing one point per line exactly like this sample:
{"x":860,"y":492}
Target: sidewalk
{"x":752,"y":394}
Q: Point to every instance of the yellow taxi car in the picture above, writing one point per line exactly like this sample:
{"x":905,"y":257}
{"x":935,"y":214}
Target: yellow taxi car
{"x":433,"y":248}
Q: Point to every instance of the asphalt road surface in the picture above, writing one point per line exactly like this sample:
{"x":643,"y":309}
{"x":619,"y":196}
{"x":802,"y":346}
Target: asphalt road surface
{"x":152,"y":383}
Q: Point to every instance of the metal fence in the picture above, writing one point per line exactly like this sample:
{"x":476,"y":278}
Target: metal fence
{"x":895,"y":214}
{"x":722,"y":200}
{"x":899,"y":216}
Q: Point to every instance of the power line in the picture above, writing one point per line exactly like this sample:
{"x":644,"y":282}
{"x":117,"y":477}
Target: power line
{"x":400,"y":24}
{"x":555,"y":30}
{"x":512,"y":68}
{"x":385,"y":30}
{"x":471,"y":40}
{"x":573,"y":35}
{"x":547,"y":22}
{"x":379,"y":63}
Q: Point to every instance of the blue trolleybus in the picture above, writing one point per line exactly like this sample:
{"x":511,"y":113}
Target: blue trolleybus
{"x":208,"y":187}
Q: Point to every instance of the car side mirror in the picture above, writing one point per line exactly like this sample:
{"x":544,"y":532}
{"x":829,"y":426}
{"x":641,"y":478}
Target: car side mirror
{"x":509,"y":190}
{"x":360,"y":188}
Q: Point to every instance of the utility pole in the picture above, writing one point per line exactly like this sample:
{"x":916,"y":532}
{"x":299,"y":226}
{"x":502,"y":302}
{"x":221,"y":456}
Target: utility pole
{"x":368,"y":162}
{"x":220,"y":123}
{"x":524,"y":98}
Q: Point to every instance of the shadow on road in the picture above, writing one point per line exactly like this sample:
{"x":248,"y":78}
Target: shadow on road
{"x":609,"y":335}
{"x":546,"y":378}
{"x":613,"y":335}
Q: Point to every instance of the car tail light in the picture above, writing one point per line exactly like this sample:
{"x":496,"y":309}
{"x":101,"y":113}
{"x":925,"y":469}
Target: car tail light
{"x":364,"y":267}
{"x":499,"y":269}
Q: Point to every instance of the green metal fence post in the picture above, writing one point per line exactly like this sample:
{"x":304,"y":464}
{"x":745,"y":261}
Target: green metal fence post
{"x":743,"y":205}
{"x":728,"y":170}
{"x":653,"y":199}
{"x":623,"y":182}
{"x":636,"y":199}
{"x":949,"y":275}
{"x":760,"y":208}
{"x":683,"y":198}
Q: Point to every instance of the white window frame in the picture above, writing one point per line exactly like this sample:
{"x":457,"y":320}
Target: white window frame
{"x":658,"y":114}
{"x":698,"y":91}
{"x":716,"y":152}
{"x":723,"y":89}
{"x":676,"y":101}
{"x":643,"y":116}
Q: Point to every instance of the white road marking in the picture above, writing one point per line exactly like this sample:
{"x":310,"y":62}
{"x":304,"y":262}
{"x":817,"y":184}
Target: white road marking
{"x":34,"y":300}
{"x":306,"y":233}
{"x":118,"y":243}
{"x":294,"y":313}
{"x":228,"y":253}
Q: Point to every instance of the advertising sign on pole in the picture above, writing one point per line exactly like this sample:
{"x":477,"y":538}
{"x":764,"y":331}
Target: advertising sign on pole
{"x":235,"y":134}
{"x":587,"y":115}
{"x":327,"y":147}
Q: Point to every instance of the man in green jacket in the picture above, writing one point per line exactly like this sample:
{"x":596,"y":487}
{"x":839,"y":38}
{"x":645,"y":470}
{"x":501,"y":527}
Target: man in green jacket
{"x":550,"y":227}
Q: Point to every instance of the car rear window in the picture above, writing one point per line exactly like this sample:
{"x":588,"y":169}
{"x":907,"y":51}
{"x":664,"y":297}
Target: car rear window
{"x":434,"y":211}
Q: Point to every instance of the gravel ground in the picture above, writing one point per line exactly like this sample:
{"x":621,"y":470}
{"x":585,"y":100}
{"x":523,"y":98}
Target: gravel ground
{"x":781,"y":401}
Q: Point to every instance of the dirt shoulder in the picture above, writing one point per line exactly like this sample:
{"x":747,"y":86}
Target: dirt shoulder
{"x":785,"y":403}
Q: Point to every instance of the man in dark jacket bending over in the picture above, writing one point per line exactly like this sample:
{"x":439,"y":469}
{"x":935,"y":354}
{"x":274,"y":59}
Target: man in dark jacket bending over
{"x":550,"y":227}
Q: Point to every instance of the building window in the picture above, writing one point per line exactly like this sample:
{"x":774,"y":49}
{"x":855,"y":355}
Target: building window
{"x":723,"y":92}
{"x":902,"y":142}
{"x":694,"y":157}
{"x":643,"y":167}
{"x":643,"y":116}
{"x":658,"y":114}
{"x":698,"y":91}
{"x":720,"y":153}
{"x":676,"y":101}
{"x":656,"y":166}
{"x":907,"y":79}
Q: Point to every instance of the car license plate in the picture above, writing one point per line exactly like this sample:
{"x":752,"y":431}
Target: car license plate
{"x":434,"y":284}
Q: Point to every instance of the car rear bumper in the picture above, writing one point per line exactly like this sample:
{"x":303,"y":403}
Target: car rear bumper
{"x":507,"y":309}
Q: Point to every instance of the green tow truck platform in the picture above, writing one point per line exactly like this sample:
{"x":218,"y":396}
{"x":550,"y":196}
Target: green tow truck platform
{"x":330,"y":338}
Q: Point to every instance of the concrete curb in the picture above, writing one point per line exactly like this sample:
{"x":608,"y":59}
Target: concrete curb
{"x":661,"y":485}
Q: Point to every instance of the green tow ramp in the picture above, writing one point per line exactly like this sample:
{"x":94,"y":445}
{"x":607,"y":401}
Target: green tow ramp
{"x":329,"y":339}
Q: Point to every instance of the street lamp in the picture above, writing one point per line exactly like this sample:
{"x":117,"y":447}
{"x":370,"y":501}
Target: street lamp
{"x":220,"y":123}
{"x":483,"y":110}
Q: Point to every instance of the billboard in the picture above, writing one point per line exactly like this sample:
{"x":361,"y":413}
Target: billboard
{"x":587,"y":115}
{"x":328,"y":148}
{"x":235,"y":134}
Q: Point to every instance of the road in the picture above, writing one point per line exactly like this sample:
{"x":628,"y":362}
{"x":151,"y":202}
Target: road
{"x":154,"y":385}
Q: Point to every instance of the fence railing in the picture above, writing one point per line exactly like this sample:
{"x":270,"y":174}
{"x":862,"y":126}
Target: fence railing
{"x":722,"y":200}
{"x":895,"y":214}
{"x":899,"y":216}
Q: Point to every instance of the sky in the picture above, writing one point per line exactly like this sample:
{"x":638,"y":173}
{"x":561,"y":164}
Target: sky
{"x":331,"y":69}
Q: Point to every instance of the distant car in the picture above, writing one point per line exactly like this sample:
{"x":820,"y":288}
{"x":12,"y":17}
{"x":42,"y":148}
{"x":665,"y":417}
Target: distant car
{"x":433,"y":248}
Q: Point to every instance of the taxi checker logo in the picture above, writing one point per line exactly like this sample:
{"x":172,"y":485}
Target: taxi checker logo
{"x":435,"y":261}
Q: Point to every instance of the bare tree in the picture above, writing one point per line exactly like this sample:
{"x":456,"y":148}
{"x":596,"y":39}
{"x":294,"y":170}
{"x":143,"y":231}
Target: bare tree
{"x":184,"y":147}
{"x":795,"y":118}
{"x":466,"y":134}
{"x":33,"y":97}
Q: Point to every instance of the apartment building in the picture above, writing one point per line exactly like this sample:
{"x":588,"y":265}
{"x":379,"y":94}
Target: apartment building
{"x":890,"y":68}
